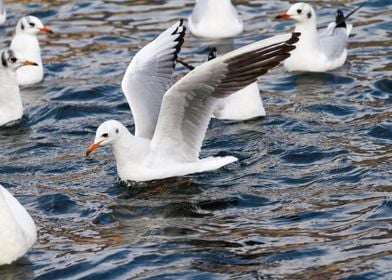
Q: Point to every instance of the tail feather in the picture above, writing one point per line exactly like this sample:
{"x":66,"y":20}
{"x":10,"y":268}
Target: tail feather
{"x":212,"y":163}
{"x":352,"y":12}
{"x":340,"y":20}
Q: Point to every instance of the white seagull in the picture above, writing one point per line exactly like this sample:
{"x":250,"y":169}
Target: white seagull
{"x":3,"y":12}
{"x":171,"y":123}
{"x":11,"y":108}
{"x":26,"y":43}
{"x":316,"y":51}
{"x":17,"y":229}
{"x":217,"y":19}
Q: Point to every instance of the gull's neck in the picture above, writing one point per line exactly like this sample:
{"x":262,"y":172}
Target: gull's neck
{"x":27,"y":45}
{"x":129,"y":151}
{"x":25,"y":36}
{"x":216,"y":7}
{"x":7,"y":79}
{"x":308,"y":30}
{"x":11,"y":107}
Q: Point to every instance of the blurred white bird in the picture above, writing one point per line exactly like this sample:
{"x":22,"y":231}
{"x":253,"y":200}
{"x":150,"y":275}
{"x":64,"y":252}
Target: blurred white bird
{"x":3,"y":12}
{"x":11,"y":108}
{"x":17,"y":229}
{"x":317,"y":51}
{"x":26,"y":43}
{"x":217,"y":19}
{"x":170,"y":123}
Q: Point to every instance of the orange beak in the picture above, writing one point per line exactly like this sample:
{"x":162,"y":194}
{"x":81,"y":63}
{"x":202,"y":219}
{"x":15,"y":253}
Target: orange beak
{"x":46,"y":30}
{"x":92,"y":148}
{"x":28,"y":62}
{"x":283,"y":15}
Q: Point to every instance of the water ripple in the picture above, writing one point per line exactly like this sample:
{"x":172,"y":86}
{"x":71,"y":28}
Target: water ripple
{"x":309,"y":198}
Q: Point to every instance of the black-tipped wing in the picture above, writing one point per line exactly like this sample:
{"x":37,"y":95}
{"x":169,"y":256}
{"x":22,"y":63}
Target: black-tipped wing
{"x":149,"y":76}
{"x":187,"y":106}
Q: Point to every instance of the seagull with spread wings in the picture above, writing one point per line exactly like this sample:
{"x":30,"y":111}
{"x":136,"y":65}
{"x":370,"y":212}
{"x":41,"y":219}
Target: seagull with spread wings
{"x":171,"y":120}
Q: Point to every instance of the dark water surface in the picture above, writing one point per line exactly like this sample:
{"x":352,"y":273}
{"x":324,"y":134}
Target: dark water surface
{"x":309,"y":198}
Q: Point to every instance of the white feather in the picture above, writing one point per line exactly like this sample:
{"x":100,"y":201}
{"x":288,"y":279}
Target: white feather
{"x":11,"y":108}
{"x":188,"y":105}
{"x":3,"y":12}
{"x":215,"y":19}
{"x":148,"y":77}
{"x":185,"y":111}
{"x":17,"y":229}
{"x":26,"y":43}
{"x":317,"y":51}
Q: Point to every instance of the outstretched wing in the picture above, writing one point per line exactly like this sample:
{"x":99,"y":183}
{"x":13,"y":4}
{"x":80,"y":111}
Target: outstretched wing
{"x":149,"y":76}
{"x":187,"y":106}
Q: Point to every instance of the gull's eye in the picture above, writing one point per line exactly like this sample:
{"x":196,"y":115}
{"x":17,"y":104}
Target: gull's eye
{"x":105,"y":135}
{"x":299,"y":11}
{"x":12,"y":59}
{"x":32,"y":24}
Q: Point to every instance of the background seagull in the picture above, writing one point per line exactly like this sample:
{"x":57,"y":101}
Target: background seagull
{"x":170,"y":130}
{"x":17,"y":229}
{"x":26,"y":43}
{"x":217,"y":19}
{"x":11,"y":108}
{"x":316,"y":51}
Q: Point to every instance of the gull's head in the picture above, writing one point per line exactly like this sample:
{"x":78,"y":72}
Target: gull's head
{"x":107,"y":134}
{"x":31,"y":25}
{"x":300,"y":12}
{"x":11,"y":60}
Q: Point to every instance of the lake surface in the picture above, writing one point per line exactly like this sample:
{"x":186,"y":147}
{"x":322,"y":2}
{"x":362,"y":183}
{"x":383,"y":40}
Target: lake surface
{"x":310,"y":197}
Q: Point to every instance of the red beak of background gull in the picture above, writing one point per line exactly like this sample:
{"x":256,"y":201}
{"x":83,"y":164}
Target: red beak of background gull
{"x":46,"y":30}
{"x":29,"y":62}
{"x":92,"y":148}
{"x":283,"y":15}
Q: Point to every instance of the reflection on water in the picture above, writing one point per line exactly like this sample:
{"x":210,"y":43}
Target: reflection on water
{"x":22,"y":269}
{"x":309,"y":198}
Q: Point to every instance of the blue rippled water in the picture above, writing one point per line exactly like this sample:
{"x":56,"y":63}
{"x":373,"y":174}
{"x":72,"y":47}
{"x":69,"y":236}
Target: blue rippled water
{"x":310,"y":197}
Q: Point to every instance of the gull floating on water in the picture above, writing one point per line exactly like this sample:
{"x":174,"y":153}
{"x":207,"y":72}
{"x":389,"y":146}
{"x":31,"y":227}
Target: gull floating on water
{"x":171,"y":123}
{"x":3,"y":12}
{"x":26,"y":43}
{"x":316,"y":51}
{"x":217,"y":19}
{"x":17,"y":229}
{"x":11,"y":108}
